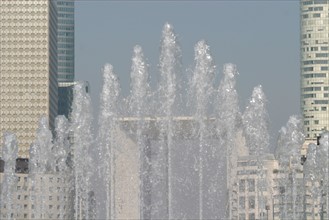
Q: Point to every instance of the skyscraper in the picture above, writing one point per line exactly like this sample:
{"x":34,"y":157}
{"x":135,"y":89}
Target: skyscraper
{"x":28,"y":67}
{"x":65,"y":37}
{"x":314,"y":66}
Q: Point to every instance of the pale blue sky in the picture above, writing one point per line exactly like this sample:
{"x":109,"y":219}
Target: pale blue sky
{"x":260,"y":37}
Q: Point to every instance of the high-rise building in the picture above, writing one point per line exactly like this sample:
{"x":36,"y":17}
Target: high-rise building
{"x":314,"y":66}
{"x":28,"y":67}
{"x":65,"y":34}
{"x":65,"y":38}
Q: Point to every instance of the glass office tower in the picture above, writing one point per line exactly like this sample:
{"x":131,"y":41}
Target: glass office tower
{"x":65,"y":10}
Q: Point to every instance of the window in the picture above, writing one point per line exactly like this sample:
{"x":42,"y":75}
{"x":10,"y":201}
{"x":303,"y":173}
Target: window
{"x":251,"y":185}
{"x":316,"y":122}
{"x":305,"y":96}
{"x":318,"y":8}
{"x":251,"y":216}
{"x":306,"y":69}
{"x":242,"y":202}
{"x":242,"y":185}
{"x":251,"y":202}
{"x":309,"y":89}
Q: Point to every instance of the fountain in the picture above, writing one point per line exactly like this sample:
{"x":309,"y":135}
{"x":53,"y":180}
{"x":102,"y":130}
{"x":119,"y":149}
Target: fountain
{"x":158,"y":155}
{"x":8,"y":191}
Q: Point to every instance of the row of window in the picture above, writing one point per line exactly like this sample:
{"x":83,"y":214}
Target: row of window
{"x":315,"y":8}
{"x":66,"y":58}
{"x":308,"y":69}
{"x":65,"y":9}
{"x":321,"y":102}
{"x":66,"y":34}
{"x":309,"y":89}
{"x":315,"y":75}
{"x":65,"y":40}
{"x":25,"y":30}
{"x":247,"y":183}
{"x":310,"y":62}
{"x":12,"y":216}
{"x":66,"y":76}
{"x":66,"y":52}
{"x":316,"y":122}
{"x":315,"y":2}
{"x":315,"y":49}
{"x":65,"y":28}
{"x":26,"y":21}
{"x":35,"y":43}
{"x":247,"y":172}
{"x":305,"y":96}
{"x":321,"y":55}
{"x":251,"y":202}
{"x":242,"y":216}
{"x":247,"y":163}
{"x":65,"y":3}
{"x":66,"y":15}
{"x":67,"y":22}
{"x":312,"y":23}
{"x":315,"y":15}
{"x":319,"y":33}
{"x":66,"y":64}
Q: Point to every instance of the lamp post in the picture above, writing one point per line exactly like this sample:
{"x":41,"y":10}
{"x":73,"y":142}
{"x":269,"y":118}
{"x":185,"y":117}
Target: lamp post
{"x":267,"y":207}
{"x":282,"y":192}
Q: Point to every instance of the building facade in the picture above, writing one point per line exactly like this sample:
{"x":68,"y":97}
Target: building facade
{"x":36,"y":196}
{"x":252,"y":196}
{"x":314,"y":57}
{"x":65,"y":38}
{"x":28,"y":67}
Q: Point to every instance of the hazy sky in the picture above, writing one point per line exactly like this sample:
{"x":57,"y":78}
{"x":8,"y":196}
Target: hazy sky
{"x":260,"y":37}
